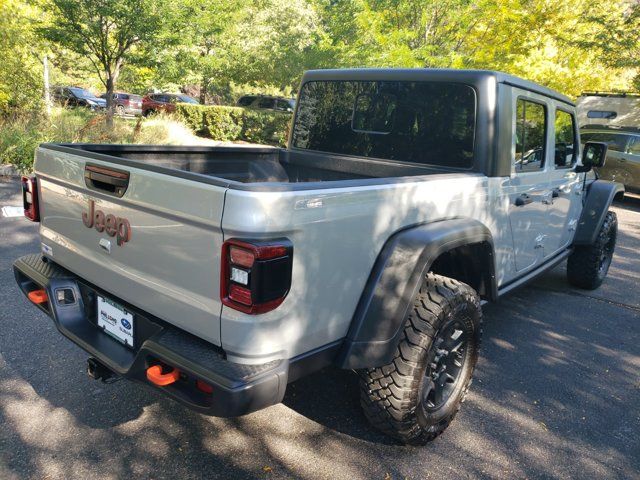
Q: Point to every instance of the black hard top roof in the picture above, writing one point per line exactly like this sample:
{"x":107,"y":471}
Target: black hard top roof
{"x":441,"y":74}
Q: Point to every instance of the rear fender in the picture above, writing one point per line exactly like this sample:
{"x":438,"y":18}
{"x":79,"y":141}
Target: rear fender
{"x":394,"y":282}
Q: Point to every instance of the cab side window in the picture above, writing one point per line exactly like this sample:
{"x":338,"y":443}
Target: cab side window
{"x":634,"y":146}
{"x":565,"y":136}
{"x":531,"y":127}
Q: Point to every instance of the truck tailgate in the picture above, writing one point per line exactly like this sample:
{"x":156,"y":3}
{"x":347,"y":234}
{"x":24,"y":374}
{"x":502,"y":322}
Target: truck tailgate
{"x":170,"y":264}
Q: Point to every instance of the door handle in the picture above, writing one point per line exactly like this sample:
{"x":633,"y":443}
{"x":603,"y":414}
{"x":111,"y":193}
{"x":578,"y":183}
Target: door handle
{"x":523,"y":200}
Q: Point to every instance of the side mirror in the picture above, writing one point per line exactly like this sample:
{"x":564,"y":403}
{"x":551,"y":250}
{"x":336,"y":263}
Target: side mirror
{"x":594,"y":154}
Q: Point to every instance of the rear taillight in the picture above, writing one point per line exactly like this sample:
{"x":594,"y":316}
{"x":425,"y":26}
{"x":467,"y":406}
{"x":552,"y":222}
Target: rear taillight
{"x":30,"y":198}
{"x":255,"y":275}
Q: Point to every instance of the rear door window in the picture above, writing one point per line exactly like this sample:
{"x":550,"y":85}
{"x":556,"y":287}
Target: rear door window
{"x":615,"y":141}
{"x":283,"y":105}
{"x":565,"y":139}
{"x":430,"y":123}
{"x":634,"y":146}
{"x":266,"y":103}
{"x":531,"y":128}
{"x":246,"y":101}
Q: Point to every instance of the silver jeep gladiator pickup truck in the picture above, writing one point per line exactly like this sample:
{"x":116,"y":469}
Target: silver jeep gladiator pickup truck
{"x":404,"y":201}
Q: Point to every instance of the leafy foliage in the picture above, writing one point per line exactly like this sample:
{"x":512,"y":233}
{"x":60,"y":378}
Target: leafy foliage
{"x":20,"y":137}
{"x":105,"y":32}
{"x":222,"y":49}
{"x":20,"y":67}
{"x":234,"y":123}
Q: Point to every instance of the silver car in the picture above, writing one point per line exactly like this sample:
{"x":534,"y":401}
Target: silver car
{"x":623,"y":156}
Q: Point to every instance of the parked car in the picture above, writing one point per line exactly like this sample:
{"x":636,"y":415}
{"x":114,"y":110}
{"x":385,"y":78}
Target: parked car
{"x":217,"y":275}
{"x":126,"y":103}
{"x":77,"y":97}
{"x":623,"y":154}
{"x":265,"y":102}
{"x":164,"y":102}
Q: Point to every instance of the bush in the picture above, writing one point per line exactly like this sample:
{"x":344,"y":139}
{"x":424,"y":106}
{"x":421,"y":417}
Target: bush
{"x":18,"y":141}
{"x":20,"y":137}
{"x":271,"y":128}
{"x":222,"y":123}
{"x":192,"y":115}
{"x":234,"y":123}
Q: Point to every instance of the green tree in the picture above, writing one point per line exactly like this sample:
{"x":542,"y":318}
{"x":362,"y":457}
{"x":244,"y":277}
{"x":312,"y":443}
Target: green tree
{"x":105,"y":31}
{"x":204,"y":45}
{"x":21,"y":52}
{"x":615,"y":34}
{"x":274,"y":41}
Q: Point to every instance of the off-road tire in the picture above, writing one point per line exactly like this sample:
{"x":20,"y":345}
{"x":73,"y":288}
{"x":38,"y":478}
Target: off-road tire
{"x":588,"y":265}
{"x":392,"y":395}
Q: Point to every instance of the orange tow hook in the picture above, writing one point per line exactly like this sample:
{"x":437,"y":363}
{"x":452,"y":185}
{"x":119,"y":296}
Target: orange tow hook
{"x":38,"y":296}
{"x":155,"y":376}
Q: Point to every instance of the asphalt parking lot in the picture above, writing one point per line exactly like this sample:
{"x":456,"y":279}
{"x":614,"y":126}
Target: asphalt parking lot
{"x":556,"y":395}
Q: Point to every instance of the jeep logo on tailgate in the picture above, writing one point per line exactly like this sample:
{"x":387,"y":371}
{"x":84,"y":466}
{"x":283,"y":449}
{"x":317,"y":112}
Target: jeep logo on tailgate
{"x":114,"y":226}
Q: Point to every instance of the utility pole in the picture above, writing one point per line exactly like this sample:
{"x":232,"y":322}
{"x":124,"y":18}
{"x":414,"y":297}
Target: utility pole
{"x":47,"y":93}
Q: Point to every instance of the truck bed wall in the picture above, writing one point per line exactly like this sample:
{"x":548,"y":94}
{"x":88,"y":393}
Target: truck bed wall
{"x":260,"y":164}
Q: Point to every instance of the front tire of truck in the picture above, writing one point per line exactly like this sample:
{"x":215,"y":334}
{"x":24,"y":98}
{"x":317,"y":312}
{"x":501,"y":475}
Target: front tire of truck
{"x":588,"y":265}
{"x":415,"y":397}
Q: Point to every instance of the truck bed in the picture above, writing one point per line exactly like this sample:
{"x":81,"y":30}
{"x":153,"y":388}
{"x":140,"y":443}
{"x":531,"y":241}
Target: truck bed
{"x":246,"y":165}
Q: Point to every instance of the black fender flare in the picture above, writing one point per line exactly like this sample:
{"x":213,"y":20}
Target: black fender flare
{"x":599,"y":197}
{"x":398,"y":273}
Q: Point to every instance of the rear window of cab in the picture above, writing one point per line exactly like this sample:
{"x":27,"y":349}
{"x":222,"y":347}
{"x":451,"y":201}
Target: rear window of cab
{"x":431,"y":123}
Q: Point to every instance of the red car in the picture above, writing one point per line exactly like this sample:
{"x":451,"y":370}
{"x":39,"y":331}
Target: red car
{"x":126,"y":103}
{"x":164,"y":102}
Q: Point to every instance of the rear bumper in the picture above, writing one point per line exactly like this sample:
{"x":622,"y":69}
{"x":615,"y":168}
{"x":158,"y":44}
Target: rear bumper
{"x":237,"y":389}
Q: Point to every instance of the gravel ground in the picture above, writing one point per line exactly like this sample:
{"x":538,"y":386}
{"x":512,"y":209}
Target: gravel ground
{"x":556,"y":395}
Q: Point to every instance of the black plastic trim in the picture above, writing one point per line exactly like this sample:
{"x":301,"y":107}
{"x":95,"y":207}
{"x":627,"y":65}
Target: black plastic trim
{"x":313,"y":360}
{"x":237,"y":388}
{"x":405,"y":259}
{"x":548,"y":265}
{"x":599,"y":196}
{"x":540,"y":90}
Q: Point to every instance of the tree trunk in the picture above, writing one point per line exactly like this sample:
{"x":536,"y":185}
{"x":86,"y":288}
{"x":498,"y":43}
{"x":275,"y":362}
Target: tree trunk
{"x":47,"y":92}
{"x":110,"y":89}
{"x":204,"y":86}
{"x":112,"y":78}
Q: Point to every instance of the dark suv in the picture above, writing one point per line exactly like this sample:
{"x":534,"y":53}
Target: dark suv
{"x":126,"y":103}
{"x":264,"y":102}
{"x":77,"y":97}
{"x":623,"y":154}
{"x":164,"y":102}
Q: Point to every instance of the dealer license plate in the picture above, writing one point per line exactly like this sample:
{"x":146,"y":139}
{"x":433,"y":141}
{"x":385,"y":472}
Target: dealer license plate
{"x":114,"y":319}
